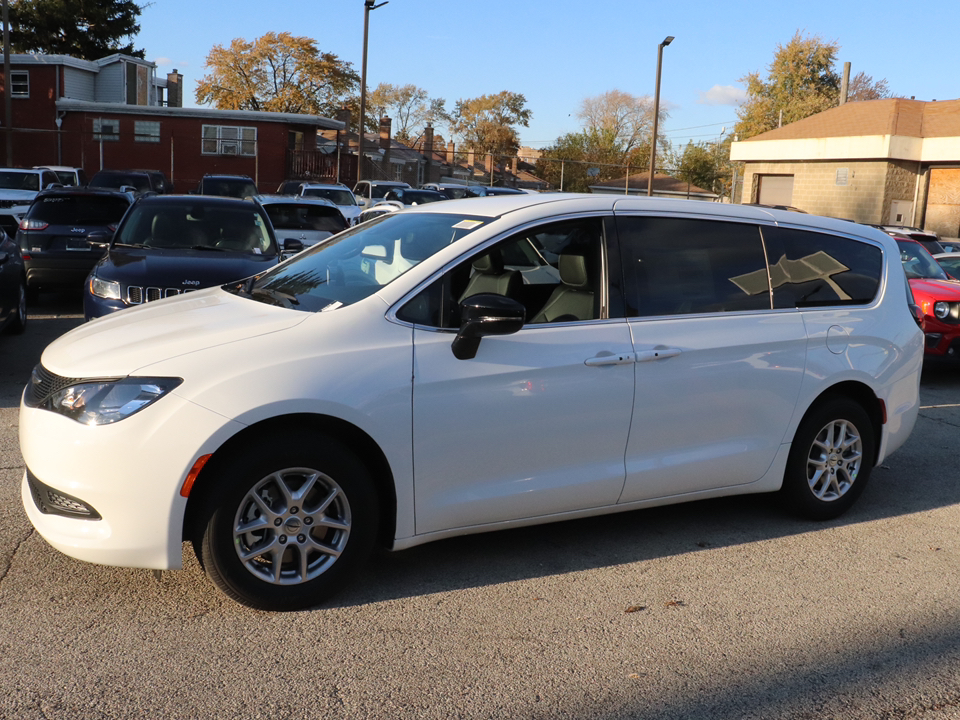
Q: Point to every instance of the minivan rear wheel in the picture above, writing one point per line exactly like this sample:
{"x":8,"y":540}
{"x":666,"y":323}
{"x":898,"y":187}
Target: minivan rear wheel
{"x":288,"y":522}
{"x":830,"y":460}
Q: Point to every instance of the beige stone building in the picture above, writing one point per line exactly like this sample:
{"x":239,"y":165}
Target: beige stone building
{"x":891,"y":161}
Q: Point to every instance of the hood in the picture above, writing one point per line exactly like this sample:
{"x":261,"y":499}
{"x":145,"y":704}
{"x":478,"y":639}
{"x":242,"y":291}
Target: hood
{"x":350,"y":211}
{"x":940,"y":289}
{"x":21,"y":197}
{"x":122,"y":342}
{"x":180,"y":269}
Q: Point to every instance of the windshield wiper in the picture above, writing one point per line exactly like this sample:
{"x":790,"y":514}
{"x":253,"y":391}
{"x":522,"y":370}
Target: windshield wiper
{"x":206,"y":247}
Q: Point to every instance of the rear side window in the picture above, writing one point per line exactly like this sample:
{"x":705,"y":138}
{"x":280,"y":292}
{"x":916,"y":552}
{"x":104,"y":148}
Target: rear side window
{"x":811,"y":269}
{"x":84,"y":209}
{"x":678,"y":266}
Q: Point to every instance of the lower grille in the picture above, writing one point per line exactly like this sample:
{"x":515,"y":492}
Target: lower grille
{"x":54,"y":502}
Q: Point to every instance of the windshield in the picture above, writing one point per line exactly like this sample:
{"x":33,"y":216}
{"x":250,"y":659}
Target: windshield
{"x":195,"y":225}
{"x":918,"y":263}
{"x":20,"y":181}
{"x":358,"y":262}
{"x":299,"y":216}
{"x":83,"y":209}
{"x":118,"y":180}
{"x":337,"y":197}
{"x":229,"y":187}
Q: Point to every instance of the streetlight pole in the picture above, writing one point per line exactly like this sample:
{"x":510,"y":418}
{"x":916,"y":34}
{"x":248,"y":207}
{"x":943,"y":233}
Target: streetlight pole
{"x":656,"y":113}
{"x":368,"y":5}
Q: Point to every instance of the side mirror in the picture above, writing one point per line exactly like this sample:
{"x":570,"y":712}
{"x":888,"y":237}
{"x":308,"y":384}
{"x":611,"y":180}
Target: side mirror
{"x":482,"y":315}
{"x":291,"y":246}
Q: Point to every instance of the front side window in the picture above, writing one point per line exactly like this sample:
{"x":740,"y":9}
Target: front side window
{"x":20,"y":83}
{"x":358,"y":262}
{"x":679,"y":266}
{"x":811,"y":269}
{"x":554,"y":271}
{"x":229,"y":140}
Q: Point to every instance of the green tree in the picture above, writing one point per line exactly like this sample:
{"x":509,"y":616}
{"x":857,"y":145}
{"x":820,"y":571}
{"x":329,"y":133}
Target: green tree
{"x":409,"y":107}
{"x":704,"y":164}
{"x":487,"y":124}
{"x":79,"y":28}
{"x":277,"y":72}
{"x":801,"y":82}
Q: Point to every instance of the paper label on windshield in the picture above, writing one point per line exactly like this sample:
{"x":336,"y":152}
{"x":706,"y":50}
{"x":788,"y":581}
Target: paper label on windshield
{"x":467,"y":224}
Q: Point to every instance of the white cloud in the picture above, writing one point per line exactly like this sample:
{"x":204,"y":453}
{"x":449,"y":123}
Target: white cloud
{"x":162,"y":61}
{"x":723,"y":95}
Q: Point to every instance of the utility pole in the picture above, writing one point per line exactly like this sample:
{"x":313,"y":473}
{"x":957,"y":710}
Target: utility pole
{"x":368,"y":5}
{"x":656,"y":114}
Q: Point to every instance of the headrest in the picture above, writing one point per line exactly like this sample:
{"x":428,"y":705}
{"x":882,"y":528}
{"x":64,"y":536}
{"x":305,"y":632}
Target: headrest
{"x":573,"y":270}
{"x":489,"y":264}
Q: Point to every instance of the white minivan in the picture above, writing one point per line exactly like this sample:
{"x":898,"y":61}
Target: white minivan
{"x":468,"y":366}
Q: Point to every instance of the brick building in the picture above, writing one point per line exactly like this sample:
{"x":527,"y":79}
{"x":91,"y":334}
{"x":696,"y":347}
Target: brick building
{"x":116,"y":113}
{"x":880,"y":161}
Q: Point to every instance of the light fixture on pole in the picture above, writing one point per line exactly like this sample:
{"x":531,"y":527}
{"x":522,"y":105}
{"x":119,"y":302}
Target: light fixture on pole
{"x":656,"y":113}
{"x":368,"y":5}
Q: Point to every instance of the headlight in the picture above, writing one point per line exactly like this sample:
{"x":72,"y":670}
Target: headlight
{"x":101,"y":402}
{"x":941,"y":309}
{"x":105,"y":288}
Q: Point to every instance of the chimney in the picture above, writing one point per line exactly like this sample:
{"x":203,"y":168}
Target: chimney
{"x":451,"y":150}
{"x":174,"y":89}
{"x":470,"y":160}
{"x":428,"y":141}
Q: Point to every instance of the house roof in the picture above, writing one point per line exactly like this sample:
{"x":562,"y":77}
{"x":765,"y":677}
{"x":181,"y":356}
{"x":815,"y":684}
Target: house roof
{"x":68,"y":105}
{"x":74,"y":62}
{"x":662,"y":184}
{"x":887,"y":129}
{"x":889,"y":116}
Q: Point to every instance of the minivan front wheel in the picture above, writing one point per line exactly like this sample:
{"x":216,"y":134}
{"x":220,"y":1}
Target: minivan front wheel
{"x":288,"y":522}
{"x":830,"y":460}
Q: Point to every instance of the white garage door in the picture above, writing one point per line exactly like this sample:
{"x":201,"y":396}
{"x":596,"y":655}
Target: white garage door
{"x":776,"y":190}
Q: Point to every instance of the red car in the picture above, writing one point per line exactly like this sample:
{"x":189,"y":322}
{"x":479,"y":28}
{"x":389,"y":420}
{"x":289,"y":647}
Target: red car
{"x":937,"y":296}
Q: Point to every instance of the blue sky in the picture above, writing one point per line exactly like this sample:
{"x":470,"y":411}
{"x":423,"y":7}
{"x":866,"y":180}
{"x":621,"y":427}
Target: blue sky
{"x":557,"y":52}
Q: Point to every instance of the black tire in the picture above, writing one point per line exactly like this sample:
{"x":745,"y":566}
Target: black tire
{"x":830,"y":460}
{"x":285,"y":537}
{"x":18,"y":322}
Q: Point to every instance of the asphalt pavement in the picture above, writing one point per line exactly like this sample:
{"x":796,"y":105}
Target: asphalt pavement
{"x":717,"y":609}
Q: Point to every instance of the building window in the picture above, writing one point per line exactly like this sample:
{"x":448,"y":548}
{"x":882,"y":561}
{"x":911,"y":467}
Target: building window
{"x":20,"y":83}
{"x":146,"y":131}
{"x":398,"y":172}
{"x":229,"y":140}
{"x":106,"y":129}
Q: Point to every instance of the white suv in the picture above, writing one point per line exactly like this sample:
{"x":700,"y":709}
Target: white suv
{"x":19,"y":186}
{"x":338,"y":194}
{"x":467,"y":366}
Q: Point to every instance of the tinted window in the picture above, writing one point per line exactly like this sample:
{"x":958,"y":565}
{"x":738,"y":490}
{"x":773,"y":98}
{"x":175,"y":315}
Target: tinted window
{"x":85,"y":209}
{"x":193,"y":224}
{"x":115,"y":180}
{"x":810,"y":269}
{"x":337,"y":197}
{"x":296,"y":216}
{"x":20,"y":180}
{"x":675,"y":266}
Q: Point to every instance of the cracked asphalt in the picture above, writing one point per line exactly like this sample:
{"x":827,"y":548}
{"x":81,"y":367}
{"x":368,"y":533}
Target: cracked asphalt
{"x":716,"y":609}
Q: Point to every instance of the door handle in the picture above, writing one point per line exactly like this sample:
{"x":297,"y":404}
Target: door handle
{"x":657,"y":354}
{"x":611,"y":359}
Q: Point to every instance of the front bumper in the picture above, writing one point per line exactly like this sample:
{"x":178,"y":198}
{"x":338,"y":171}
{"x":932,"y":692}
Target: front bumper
{"x":130,"y":472}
